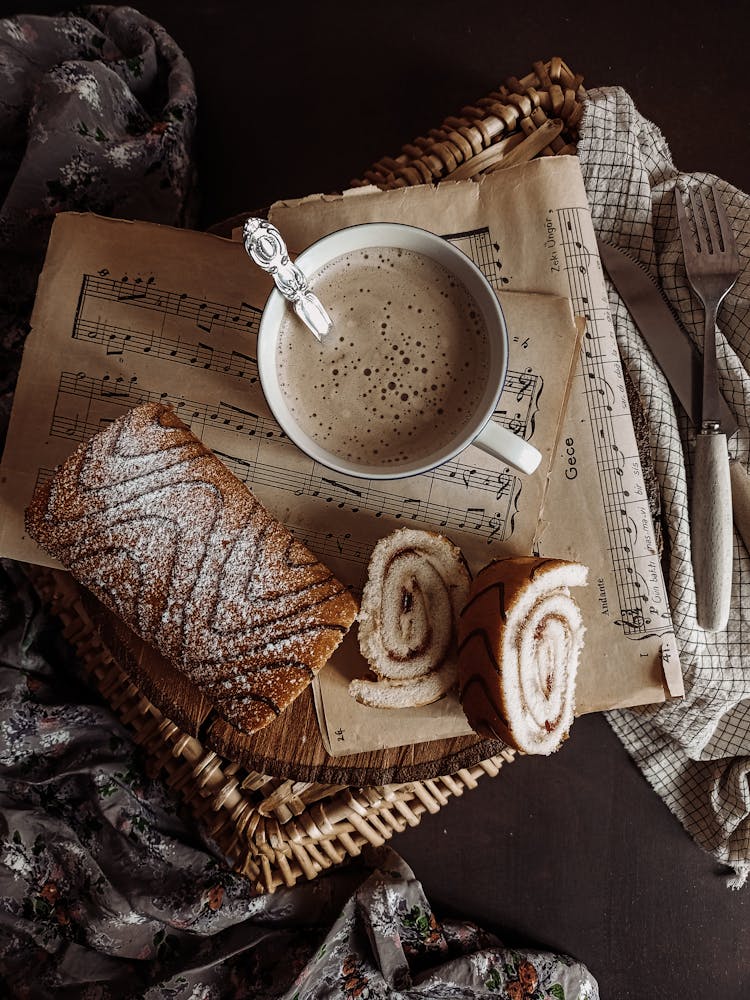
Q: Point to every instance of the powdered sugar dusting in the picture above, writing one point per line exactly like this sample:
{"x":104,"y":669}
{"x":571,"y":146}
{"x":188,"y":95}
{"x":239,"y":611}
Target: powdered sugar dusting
{"x":163,"y":534}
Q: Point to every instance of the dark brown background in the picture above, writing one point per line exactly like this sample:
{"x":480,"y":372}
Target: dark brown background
{"x":575,"y":852}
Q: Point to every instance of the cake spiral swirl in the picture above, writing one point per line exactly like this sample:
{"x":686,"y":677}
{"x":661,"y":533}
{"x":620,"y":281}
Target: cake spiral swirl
{"x":520,"y":640}
{"x":417,"y":584}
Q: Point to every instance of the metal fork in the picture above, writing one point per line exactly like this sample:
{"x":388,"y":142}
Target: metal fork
{"x":712,"y":266}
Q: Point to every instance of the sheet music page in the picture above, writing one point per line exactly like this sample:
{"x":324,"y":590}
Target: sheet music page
{"x":529,"y":228}
{"x":130,"y":312}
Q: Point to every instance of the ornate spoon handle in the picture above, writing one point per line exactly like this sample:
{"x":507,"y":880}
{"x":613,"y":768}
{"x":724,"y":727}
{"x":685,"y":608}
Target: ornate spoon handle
{"x":267,"y":249}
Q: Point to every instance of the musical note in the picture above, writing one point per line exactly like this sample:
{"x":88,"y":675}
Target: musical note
{"x":602,"y":387}
{"x":477,"y":244}
{"x":117,"y":389}
{"x":203,"y":356}
{"x":410,"y":507}
{"x":67,"y":428}
{"x":242,"y":365}
{"x":130,"y":291}
{"x":249,"y":315}
{"x":520,"y":387}
{"x":203,"y":314}
{"x":526,"y":382}
{"x":236,"y":417}
{"x":474,"y":516}
{"x":500,"y":485}
{"x":125,"y":392}
{"x":342,"y":486}
{"x":117,"y":340}
{"x":602,"y":372}
{"x":115,"y":344}
{"x":325,"y":544}
{"x":207,"y":324}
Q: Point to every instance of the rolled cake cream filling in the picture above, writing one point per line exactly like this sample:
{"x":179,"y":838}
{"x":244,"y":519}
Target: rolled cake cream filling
{"x":520,"y":639}
{"x":412,"y":693}
{"x":417,"y":584}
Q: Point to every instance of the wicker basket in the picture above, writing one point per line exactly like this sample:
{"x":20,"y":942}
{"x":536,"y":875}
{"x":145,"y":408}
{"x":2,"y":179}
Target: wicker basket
{"x":277,"y":831}
{"x":536,"y":116}
{"x":271,"y":830}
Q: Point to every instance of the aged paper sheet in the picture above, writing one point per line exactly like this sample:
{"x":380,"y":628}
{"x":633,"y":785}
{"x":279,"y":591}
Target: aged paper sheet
{"x":128,"y":312}
{"x":530,"y":229}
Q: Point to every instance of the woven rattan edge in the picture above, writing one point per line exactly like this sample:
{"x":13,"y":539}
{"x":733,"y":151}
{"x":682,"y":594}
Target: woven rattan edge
{"x":538,"y":115}
{"x":271,"y":830}
{"x":218,"y":735}
{"x":334,"y":774}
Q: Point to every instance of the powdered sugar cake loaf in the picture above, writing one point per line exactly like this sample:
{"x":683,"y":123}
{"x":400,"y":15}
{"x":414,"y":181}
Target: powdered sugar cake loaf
{"x":151,"y":521}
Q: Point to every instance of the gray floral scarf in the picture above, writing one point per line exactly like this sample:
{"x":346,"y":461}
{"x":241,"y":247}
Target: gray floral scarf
{"x":97,"y":114}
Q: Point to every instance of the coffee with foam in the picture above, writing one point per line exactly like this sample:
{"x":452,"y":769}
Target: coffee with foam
{"x":402,"y":371}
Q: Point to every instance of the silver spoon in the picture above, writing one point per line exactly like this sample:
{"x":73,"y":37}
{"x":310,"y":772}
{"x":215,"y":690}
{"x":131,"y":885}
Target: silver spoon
{"x":267,"y":249}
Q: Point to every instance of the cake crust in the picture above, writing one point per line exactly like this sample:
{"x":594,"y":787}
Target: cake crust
{"x":164,"y":535}
{"x":520,"y":639}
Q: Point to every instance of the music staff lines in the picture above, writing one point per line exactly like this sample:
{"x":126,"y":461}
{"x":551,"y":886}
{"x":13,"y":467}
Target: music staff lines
{"x":521,"y":387}
{"x":43,"y":476}
{"x":519,"y":401}
{"x":117,"y":340}
{"x":633,"y":590}
{"x":499,"y":484}
{"x":517,"y":406}
{"x":479,"y":246}
{"x":204,"y":314}
{"x":492,"y":520}
{"x":123,"y":392}
{"x":327,"y":544}
{"x":320,"y":484}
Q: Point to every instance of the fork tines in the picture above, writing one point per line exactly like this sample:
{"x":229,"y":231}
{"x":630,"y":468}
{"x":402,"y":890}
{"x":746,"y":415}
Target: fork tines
{"x":704,"y":237}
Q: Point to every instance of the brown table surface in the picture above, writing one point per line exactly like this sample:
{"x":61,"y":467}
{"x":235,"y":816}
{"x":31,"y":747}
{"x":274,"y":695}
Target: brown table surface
{"x":575,"y":852}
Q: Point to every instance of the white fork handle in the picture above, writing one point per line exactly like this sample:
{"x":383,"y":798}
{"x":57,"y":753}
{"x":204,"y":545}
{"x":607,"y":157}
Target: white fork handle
{"x":711,"y":530}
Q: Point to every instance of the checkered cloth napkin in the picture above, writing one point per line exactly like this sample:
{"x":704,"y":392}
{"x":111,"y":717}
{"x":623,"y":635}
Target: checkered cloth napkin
{"x":695,"y":751}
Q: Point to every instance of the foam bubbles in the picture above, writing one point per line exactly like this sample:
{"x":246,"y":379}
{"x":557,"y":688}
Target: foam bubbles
{"x":361,"y":394}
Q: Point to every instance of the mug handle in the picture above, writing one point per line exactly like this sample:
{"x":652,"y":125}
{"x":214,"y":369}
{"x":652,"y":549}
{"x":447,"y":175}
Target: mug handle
{"x":508,"y":447}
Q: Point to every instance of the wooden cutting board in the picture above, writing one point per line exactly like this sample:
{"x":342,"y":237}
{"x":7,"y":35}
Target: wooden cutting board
{"x":291,"y":747}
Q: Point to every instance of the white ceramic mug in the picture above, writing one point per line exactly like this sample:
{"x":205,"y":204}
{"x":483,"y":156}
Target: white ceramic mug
{"x":480,"y":430}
